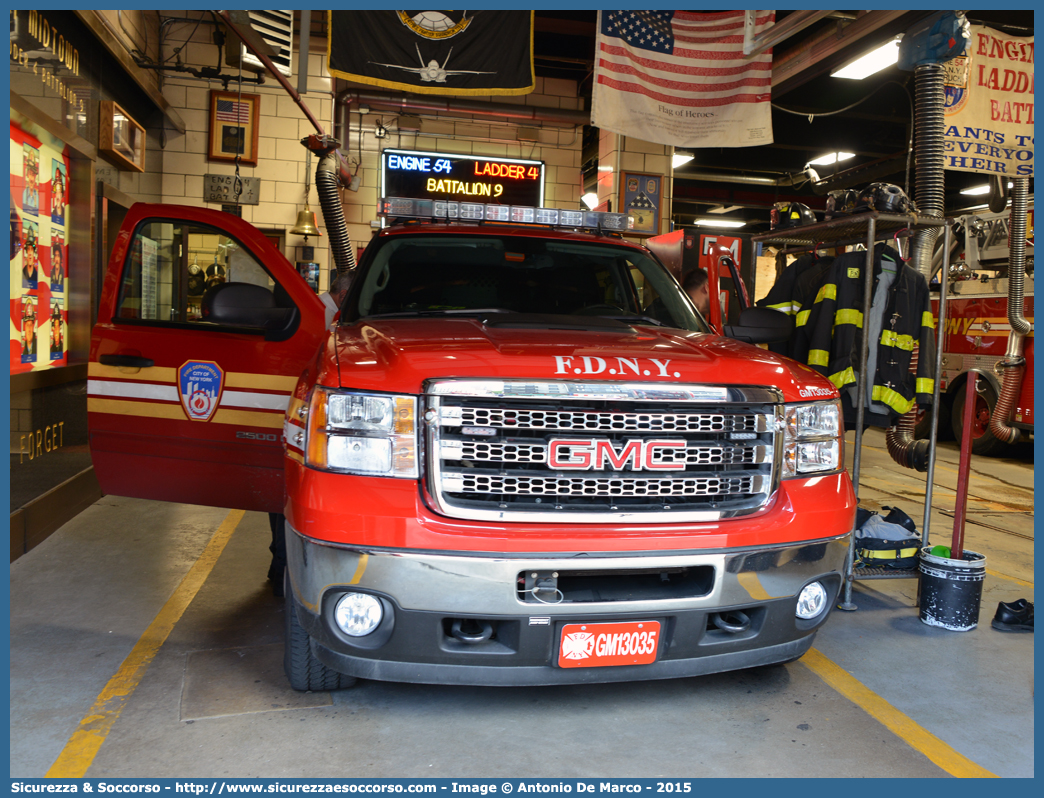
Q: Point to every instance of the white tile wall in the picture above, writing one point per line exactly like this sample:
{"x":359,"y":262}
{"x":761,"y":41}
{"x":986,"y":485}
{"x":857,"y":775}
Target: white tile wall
{"x":281,"y":158}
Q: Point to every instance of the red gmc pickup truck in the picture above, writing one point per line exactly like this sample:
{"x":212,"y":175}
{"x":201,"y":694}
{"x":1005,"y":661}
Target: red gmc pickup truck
{"x":520,"y":456}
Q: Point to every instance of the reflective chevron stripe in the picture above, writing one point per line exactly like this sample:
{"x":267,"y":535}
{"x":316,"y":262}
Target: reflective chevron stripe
{"x":892,"y":338}
{"x":843,"y":378}
{"x":818,"y":357}
{"x":828,"y":291}
{"x":899,"y":403}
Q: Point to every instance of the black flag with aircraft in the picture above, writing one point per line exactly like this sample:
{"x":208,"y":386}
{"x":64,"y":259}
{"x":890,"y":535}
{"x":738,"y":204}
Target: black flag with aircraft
{"x":434,"y":52}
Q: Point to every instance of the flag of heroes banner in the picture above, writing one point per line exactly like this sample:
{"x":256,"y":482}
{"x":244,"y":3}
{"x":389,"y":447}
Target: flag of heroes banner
{"x":680,"y":78}
{"x":434,"y":52}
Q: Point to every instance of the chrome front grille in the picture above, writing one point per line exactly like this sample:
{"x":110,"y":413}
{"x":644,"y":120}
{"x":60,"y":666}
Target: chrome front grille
{"x":590,"y":453}
{"x":598,"y":486}
{"x":510,"y":452}
{"x":581,"y":421}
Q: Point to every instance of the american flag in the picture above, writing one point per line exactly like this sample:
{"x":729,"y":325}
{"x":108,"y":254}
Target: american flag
{"x":680,"y":78}
{"x":642,"y":201}
{"x":232,"y":111}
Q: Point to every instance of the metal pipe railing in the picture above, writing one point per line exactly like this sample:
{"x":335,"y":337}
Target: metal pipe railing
{"x":868,"y":298}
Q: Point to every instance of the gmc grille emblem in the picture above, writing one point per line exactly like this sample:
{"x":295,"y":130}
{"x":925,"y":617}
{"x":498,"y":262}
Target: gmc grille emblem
{"x":585,"y":454}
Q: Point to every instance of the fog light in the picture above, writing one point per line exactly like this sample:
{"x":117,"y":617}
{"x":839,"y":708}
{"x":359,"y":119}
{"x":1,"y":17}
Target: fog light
{"x":811,"y":601}
{"x":358,"y":614}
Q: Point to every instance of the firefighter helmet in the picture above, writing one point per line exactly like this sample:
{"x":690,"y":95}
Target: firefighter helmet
{"x":841,"y":202}
{"x":790,"y":214}
{"x":886,"y":197}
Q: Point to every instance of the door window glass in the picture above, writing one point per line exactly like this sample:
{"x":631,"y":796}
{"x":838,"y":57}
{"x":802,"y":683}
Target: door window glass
{"x":175,"y":271}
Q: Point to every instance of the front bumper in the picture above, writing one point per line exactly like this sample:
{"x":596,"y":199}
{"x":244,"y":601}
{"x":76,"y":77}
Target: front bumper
{"x":424,"y":593}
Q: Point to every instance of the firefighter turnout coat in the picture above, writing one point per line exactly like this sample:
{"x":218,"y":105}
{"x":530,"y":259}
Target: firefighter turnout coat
{"x":829,"y":331}
{"x":793,"y":286}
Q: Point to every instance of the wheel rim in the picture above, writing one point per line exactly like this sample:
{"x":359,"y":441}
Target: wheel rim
{"x":980,"y":417}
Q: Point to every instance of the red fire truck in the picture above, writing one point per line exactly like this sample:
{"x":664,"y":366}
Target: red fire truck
{"x":977,"y":330}
{"x":520,"y":456}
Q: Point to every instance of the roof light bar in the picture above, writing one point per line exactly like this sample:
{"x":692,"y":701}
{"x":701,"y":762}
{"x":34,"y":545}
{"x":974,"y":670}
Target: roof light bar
{"x":447,"y":210}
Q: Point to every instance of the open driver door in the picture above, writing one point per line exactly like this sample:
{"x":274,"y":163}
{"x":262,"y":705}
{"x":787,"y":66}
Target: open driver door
{"x":203,"y":330}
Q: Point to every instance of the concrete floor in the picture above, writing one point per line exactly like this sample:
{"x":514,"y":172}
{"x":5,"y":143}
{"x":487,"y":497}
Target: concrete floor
{"x":214,"y":701}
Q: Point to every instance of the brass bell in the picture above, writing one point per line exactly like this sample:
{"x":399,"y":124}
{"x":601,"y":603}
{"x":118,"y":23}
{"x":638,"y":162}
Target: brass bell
{"x":305,"y":224}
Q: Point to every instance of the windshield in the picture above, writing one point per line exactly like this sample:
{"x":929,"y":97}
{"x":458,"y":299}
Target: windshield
{"x":447,"y":274}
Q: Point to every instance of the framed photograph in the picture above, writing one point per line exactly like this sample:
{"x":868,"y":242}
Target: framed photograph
{"x":310,"y":271}
{"x":641,"y":197}
{"x":120,"y":137}
{"x":233,"y":127}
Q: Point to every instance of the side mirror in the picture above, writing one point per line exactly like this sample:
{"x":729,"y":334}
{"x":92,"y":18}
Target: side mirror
{"x":247,"y":305}
{"x":761,"y":326}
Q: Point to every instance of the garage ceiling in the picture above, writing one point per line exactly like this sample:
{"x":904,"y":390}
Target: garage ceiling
{"x":877,"y":130}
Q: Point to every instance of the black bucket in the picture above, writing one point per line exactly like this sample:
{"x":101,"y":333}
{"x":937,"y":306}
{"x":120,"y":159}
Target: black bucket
{"x":951,"y":590}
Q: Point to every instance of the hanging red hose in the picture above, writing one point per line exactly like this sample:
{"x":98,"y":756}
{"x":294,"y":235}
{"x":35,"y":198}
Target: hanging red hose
{"x":1014,"y":364}
{"x":960,"y":507}
{"x":1010,"y":389}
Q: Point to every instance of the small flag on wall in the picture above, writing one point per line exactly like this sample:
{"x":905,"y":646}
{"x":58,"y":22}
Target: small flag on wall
{"x":680,"y":78}
{"x":434,"y":52}
{"x":231,"y":111}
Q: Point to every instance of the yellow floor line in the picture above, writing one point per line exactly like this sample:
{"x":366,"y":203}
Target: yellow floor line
{"x":1015,"y":579}
{"x":919,"y":738}
{"x":86,"y":741}
{"x":944,"y":467}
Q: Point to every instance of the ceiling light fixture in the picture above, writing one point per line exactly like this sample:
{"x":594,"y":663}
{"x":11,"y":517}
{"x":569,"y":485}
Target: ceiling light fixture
{"x":718,"y":223}
{"x":870,"y":63}
{"x":833,"y":157}
{"x":681,"y":158}
{"x":975,"y":191}
{"x":590,"y":199}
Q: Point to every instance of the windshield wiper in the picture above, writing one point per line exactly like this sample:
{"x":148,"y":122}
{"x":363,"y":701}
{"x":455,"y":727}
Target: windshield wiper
{"x":442,"y":312}
{"x":626,"y":318}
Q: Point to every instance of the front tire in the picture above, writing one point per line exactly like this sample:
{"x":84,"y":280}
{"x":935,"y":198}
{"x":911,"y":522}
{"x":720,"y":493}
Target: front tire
{"x":983,"y":441}
{"x":303,"y":670}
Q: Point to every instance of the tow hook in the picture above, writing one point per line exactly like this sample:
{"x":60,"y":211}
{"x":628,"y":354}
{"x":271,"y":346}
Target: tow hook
{"x":471,"y":630}
{"x":731,"y":621}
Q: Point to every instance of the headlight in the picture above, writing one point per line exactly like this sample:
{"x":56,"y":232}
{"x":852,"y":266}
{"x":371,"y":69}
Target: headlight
{"x":813,"y":439}
{"x":356,"y":433}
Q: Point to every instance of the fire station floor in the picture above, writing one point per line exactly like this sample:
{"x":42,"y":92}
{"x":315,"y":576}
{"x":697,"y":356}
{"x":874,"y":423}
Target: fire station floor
{"x":137,"y":650}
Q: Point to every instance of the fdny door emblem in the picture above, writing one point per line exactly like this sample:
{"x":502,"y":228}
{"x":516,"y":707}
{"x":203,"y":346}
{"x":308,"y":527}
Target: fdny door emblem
{"x":585,"y":454}
{"x":199,"y":388}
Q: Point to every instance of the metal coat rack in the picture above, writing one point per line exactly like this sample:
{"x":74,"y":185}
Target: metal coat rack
{"x":869,"y":228}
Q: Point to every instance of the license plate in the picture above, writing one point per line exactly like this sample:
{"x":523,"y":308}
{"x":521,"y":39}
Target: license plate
{"x":596,"y":645}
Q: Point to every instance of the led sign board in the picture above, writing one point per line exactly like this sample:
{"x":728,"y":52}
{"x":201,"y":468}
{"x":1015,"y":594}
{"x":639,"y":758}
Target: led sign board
{"x":467,"y":178}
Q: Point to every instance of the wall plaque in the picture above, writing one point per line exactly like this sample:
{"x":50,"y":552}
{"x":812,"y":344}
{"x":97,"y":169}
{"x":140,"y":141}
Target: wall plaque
{"x":222,"y":188}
